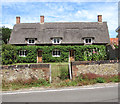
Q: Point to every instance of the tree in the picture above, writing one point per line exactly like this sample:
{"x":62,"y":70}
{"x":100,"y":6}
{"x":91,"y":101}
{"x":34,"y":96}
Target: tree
{"x":6,"y":34}
{"x":0,"y":35}
{"x":9,"y":54}
{"x":117,"y":36}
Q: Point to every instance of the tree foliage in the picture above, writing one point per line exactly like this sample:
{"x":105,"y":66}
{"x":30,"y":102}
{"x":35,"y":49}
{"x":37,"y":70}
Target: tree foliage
{"x":6,"y":34}
{"x":9,"y":54}
{"x":117,"y":36}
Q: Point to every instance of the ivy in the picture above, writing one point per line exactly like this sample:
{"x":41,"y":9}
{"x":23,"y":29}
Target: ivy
{"x":10,"y":54}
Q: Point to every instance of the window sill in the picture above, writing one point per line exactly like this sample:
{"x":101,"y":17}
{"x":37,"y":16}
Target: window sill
{"x":30,"y":43}
{"x":87,"y":43}
{"x":22,"y":56}
{"x":56,"y":43}
{"x":55,"y":56}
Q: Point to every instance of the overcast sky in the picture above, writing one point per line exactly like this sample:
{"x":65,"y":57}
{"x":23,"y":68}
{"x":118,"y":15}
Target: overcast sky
{"x":60,"y":12}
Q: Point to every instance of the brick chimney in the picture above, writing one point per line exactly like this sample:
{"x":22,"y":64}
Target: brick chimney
{"x":17,"y":20}
{"x":42,"y":19}
{"x":99,"y":18}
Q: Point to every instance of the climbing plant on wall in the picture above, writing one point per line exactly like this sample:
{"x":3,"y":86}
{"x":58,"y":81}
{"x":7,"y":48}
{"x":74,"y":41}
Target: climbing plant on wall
{"x":82,"y":53}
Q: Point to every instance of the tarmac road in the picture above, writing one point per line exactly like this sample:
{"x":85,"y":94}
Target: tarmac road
{"x":79,"y":94}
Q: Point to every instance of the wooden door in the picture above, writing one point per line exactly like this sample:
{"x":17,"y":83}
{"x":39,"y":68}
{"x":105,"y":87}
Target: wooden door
{"x":72,"y":55}
{"x":39,"y":56}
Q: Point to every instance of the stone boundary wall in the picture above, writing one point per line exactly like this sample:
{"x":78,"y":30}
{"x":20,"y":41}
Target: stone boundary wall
{"x":32,"y":66}
{"x":97,"y":67}
{"x":95,"y":62}
{"x":24,"y":72}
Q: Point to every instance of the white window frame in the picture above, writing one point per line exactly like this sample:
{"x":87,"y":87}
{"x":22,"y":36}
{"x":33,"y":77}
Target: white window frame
{"x":56,"y":41}
{"x":57,"y":55}
{"x":31,"y":40}
{"x":23,"y":55}
{"x":88,"y":42}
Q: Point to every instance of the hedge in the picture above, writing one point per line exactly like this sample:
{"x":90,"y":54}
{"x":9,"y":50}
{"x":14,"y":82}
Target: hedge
{"x":10,"y":54}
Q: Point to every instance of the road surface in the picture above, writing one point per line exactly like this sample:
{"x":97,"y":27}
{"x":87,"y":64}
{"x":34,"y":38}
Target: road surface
{"x":79,"y":94}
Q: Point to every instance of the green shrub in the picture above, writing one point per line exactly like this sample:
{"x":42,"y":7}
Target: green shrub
{"x":73,"y":83}
{"x":115,"y":79}
{"x":79,"y":78}
{"x":100,"y":80}
{"x":43,"y":82}
{"x":67,"y":83}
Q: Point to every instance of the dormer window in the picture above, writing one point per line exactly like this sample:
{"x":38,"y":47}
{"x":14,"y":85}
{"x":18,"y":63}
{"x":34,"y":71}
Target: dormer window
{"x":56,"y":40}
{"x":31,"y":40}
{"x":88,"y":41}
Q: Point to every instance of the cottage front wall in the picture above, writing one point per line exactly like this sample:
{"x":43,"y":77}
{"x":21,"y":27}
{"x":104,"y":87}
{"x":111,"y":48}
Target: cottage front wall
{"x":67,"y":53}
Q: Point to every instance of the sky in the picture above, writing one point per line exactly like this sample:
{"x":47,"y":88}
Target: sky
{"x":77,"y":11}
{"x":119,"y":14}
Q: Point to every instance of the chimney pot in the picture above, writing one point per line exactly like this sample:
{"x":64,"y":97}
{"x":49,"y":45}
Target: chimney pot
{"x":99,"y":18}
{"x":17,"y":20}
{"x":42,"y":19}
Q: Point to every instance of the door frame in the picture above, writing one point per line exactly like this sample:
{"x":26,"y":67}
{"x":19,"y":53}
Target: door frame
{"x":39,"y":50}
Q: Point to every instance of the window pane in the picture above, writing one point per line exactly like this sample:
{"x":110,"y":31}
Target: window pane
{"x":89,"y":40}
{"x":58,"y":52}
{"x":25,"y":53}
{"x":57,"y":40}
{"x":86,"y":40}
{"x":20,"y":53}
{"x":33,"y":41}
{"x":29,"y":40}
{"x":53,"y":52}
{"x":54,"y":40}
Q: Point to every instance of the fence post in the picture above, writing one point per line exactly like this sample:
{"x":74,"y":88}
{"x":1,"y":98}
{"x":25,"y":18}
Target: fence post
{"x":50,"y":73}
{"x":70,"y":70}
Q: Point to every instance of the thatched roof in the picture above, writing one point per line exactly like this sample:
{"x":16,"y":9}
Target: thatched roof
{"x":70,"y":32}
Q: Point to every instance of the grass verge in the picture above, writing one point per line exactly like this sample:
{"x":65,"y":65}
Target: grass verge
{"x":88,"y":79}
{"x":18,"y":84}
